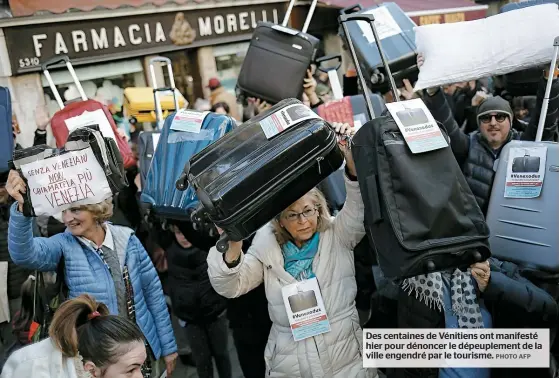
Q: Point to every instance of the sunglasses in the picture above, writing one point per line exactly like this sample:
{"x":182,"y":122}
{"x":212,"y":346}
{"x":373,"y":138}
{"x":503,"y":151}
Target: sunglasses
{"x":498,"y":117}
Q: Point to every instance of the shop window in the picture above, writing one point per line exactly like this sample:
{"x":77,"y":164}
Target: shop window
{"x":184,"y":72}
{"x":229,"y":60}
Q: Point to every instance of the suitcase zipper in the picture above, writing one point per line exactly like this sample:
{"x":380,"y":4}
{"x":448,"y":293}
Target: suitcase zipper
{"x":318,"y":160}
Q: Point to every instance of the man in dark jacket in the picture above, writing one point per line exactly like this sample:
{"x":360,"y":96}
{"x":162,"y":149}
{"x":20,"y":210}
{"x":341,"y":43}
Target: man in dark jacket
{"x":476,"y":153}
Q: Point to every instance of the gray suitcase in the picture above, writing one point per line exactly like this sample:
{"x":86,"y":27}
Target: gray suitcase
{"x":525,"y":230}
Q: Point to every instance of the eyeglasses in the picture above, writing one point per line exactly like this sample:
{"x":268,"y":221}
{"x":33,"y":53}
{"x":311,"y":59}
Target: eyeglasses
{"x":292,"y":217}
{"x":498,"y":117}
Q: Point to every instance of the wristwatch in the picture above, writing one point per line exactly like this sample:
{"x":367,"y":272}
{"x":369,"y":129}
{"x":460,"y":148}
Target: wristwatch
{"x":432,"y":91}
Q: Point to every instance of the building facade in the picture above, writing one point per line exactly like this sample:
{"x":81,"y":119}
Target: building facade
{"x":110,"y":51}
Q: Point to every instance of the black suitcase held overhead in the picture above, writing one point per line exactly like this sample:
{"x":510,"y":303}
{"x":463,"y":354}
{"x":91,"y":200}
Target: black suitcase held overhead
{"x":420,"y":214}
{"x":398,"y":42}
{"x":245,"y":179}
{"x":277,"y":60}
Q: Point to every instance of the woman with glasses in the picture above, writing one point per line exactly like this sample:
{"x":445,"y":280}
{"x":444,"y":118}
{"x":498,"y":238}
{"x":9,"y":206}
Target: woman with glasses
{"x":303,"y":246}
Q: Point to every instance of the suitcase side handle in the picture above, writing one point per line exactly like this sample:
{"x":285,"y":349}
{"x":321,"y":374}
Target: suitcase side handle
{"x":352,"y":9}
{"x":328,"y":58}
{"x":57,"y":60}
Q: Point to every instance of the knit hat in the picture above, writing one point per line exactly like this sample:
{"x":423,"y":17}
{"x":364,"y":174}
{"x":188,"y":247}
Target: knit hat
{"x":495,"y":104}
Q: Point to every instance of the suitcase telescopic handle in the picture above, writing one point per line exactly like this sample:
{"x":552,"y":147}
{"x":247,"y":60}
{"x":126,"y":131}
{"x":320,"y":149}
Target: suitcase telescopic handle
{"x":55,"y":60}
{"x":332,"y":74}
{"x":307,"y":20}
{"x":156,"y":90}
{"x":545,"y":103}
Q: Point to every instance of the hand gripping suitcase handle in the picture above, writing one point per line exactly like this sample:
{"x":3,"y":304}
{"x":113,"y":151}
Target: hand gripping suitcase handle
{"x":156,"y":90}
{"x":343,"y":19}
{"x":57,"y":60}
{"x":545,"y":104}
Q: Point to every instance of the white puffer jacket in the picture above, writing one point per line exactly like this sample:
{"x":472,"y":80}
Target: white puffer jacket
{"x":337,"y":353}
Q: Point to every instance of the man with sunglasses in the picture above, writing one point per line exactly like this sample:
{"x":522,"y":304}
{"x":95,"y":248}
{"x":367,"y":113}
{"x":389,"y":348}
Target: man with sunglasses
{"x":476,"y":152}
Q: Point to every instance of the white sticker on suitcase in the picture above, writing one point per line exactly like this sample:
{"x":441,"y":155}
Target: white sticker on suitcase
{"x":525,"y":172}
{"x":283,"y":119}
{"x":96,"y":117}
{"x":385,"y":24}
{"x":417,"y":125}
{"x":188,"y":120}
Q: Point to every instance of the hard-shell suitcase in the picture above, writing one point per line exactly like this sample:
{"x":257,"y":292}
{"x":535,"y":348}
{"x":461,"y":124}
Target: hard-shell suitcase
{"x":525,"y":230}
{"x":420,"y":214}
{"x":175,"y":148}
{"x":524,"y":82}
{"x":74,"y":109}
{"x":148,"y":140}
{"x":397,"y":40}
{"x":275,"y":53}
{"x":140,"y":105}
{"x":245,"y":179}
{"x":6,"y":129}
{"x":147,"y":144}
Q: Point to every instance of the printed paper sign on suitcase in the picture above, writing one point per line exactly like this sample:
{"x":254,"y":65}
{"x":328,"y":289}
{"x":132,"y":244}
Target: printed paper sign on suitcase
{"x":417,"y":125}
{"x":285,"y":118}
{"x":525,"y":172}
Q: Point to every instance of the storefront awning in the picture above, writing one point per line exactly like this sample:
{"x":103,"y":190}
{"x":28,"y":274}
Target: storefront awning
{"x":30,"y":7}
{"x":425,"y":12}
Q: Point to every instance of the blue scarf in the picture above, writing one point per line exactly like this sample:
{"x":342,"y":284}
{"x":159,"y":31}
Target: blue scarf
{"x":298,"y":261}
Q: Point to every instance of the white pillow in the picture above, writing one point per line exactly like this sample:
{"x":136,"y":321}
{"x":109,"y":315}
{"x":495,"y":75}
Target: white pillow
{"x":496,"y":45}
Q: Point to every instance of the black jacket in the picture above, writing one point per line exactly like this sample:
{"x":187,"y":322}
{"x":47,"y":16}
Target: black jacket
{"x":472,"y":151}
{"x":512,"y":300}
{"x":192,"y":296}
{"x":16,"y":273}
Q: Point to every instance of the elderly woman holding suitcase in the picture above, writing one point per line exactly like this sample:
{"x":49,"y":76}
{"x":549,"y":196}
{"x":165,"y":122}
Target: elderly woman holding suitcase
{"x":105,"y":261}
{"x":305,"y":259}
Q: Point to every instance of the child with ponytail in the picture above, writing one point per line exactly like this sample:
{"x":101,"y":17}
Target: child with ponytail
{"x":85,"y":342}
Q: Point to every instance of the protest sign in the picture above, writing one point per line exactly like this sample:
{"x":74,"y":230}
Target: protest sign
{"x":64,"y":181}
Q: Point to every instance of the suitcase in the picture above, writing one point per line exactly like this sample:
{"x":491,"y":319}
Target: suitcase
{"x":175,"y":147}
{"x":399,"y":48}
{"x":524,"y":82}
{"x":526,"y":163}
{"x":105,"y":151}
{"x":6,"y":129}
{"x":524,"y":230}
{"x":245,"y":180}
{"x":140,"y":106}
{"x":147,"y":144}
{"x":73,"y":109}
{"x":283,"y":51}
{"x":348,"y":109}
{"x":420,"y":214}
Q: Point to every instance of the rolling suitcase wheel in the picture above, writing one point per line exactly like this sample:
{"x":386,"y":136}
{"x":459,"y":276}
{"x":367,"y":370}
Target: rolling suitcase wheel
{"x":182,"y":182}
{"x":223,"y":243}
{"x":430,"y":266}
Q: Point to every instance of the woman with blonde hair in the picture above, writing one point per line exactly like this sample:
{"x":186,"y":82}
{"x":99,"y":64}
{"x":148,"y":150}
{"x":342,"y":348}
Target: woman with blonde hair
{"x":304,"y":244}
{"x":85,"y":342}
{"x":103,"y":260}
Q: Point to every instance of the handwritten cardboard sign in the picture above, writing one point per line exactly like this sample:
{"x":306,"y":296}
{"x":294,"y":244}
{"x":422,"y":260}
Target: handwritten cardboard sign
{"x":68,"y":180}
